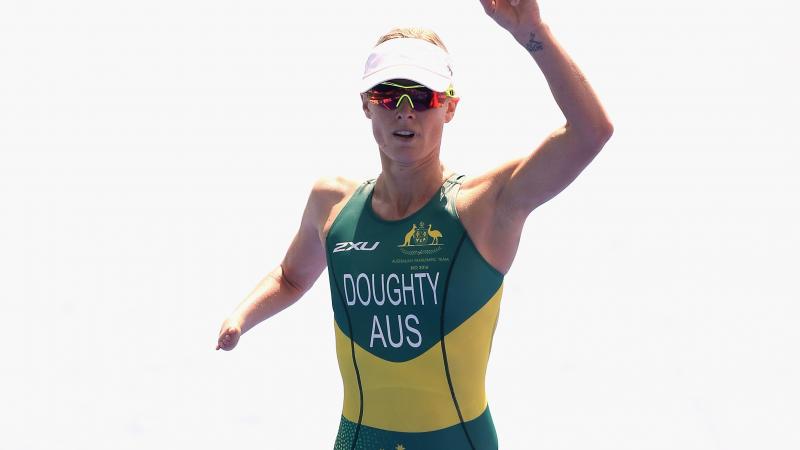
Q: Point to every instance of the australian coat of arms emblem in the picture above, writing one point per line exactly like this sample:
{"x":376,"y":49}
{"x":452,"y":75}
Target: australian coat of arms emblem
{"x":421,"y":239}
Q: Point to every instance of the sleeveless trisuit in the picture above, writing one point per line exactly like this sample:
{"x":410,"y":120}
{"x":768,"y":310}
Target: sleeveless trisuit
{"x":415,"y":308}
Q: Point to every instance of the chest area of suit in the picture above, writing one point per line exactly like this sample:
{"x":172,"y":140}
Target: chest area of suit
{"x":390,"y":277}
{"x":420,"y":246}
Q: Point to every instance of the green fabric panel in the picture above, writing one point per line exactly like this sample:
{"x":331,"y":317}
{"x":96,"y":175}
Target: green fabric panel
{"x":481,"y":432}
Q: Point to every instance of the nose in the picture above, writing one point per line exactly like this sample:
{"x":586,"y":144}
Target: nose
{"x":405,"y":109}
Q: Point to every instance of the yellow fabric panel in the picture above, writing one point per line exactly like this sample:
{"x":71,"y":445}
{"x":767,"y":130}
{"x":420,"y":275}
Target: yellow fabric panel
{"x":468,"y":350}
{"x":413,"y":396}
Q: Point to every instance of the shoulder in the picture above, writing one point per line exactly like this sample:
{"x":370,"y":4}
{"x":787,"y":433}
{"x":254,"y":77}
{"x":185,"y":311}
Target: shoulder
{"x":331,"y":190}
{"x":328,"y":196}
{"x":333,"y":186}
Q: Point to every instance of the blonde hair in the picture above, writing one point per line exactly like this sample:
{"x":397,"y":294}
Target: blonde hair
{"x":413,"y":32}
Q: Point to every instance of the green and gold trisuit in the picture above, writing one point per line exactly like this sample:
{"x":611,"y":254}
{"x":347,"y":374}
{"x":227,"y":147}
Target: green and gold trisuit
{"x":415,"y":308}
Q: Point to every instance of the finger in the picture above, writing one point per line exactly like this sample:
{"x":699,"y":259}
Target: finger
{"x":488,"y":6}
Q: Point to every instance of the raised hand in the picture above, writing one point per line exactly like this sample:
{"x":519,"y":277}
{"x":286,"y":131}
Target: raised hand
{"x":518,"y":17}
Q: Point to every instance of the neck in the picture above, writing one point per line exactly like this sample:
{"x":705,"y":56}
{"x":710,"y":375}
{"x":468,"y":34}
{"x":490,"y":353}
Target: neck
{"x":402,"y":189}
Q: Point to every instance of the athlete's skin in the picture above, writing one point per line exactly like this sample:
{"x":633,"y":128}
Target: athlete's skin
{"x":492,"y":206}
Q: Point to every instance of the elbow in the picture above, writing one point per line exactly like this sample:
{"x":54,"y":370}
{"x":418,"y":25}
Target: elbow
{"x":284,"y":281}
{"x":604,"y":133}
{"x":609,"y":129}
{"x":596,"y":135}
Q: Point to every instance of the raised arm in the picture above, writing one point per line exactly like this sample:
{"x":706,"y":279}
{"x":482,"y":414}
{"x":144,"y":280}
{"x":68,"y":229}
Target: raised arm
{"x":293,"y":277}
{"x":527,"y":182}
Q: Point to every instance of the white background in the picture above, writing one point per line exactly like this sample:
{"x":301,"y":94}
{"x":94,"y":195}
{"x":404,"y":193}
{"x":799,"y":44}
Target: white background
{"x":156,"y":156}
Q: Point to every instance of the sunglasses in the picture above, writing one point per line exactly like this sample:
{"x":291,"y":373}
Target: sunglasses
{"x":390,"y":95}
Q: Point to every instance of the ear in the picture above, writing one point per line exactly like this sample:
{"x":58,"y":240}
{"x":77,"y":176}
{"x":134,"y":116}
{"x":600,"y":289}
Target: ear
{"x":452,"y":102}
{"x":365,"y":105}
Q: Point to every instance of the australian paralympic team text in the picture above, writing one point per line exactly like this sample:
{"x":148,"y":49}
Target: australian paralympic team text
{"x":395,"y":289}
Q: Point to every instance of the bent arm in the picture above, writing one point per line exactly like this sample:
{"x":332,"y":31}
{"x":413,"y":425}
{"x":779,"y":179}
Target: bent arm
{"x":533,"y":180}
{"x":293,"y":277}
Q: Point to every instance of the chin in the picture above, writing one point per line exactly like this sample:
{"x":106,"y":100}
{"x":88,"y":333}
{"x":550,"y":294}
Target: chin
{"x":402,"y":154}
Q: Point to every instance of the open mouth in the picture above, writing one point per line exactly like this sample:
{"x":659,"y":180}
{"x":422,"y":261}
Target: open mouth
{"x":404,"y":134}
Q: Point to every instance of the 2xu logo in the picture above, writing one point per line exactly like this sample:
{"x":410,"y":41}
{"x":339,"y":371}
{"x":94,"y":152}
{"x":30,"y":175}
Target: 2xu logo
{"x":347,"y":246}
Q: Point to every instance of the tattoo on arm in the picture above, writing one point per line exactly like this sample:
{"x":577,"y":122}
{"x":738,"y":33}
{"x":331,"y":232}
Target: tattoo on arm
{"x":533,"y":45}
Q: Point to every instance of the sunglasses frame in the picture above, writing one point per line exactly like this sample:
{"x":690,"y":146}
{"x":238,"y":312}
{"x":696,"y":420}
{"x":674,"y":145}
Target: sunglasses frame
{"x":437,"y":99}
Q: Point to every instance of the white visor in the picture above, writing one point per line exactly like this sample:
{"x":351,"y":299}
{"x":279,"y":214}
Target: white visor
{"x":410,"y":59}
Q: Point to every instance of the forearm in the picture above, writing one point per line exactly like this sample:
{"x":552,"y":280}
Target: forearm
{"x":272,"y":295}
{"x":572,"y":92}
